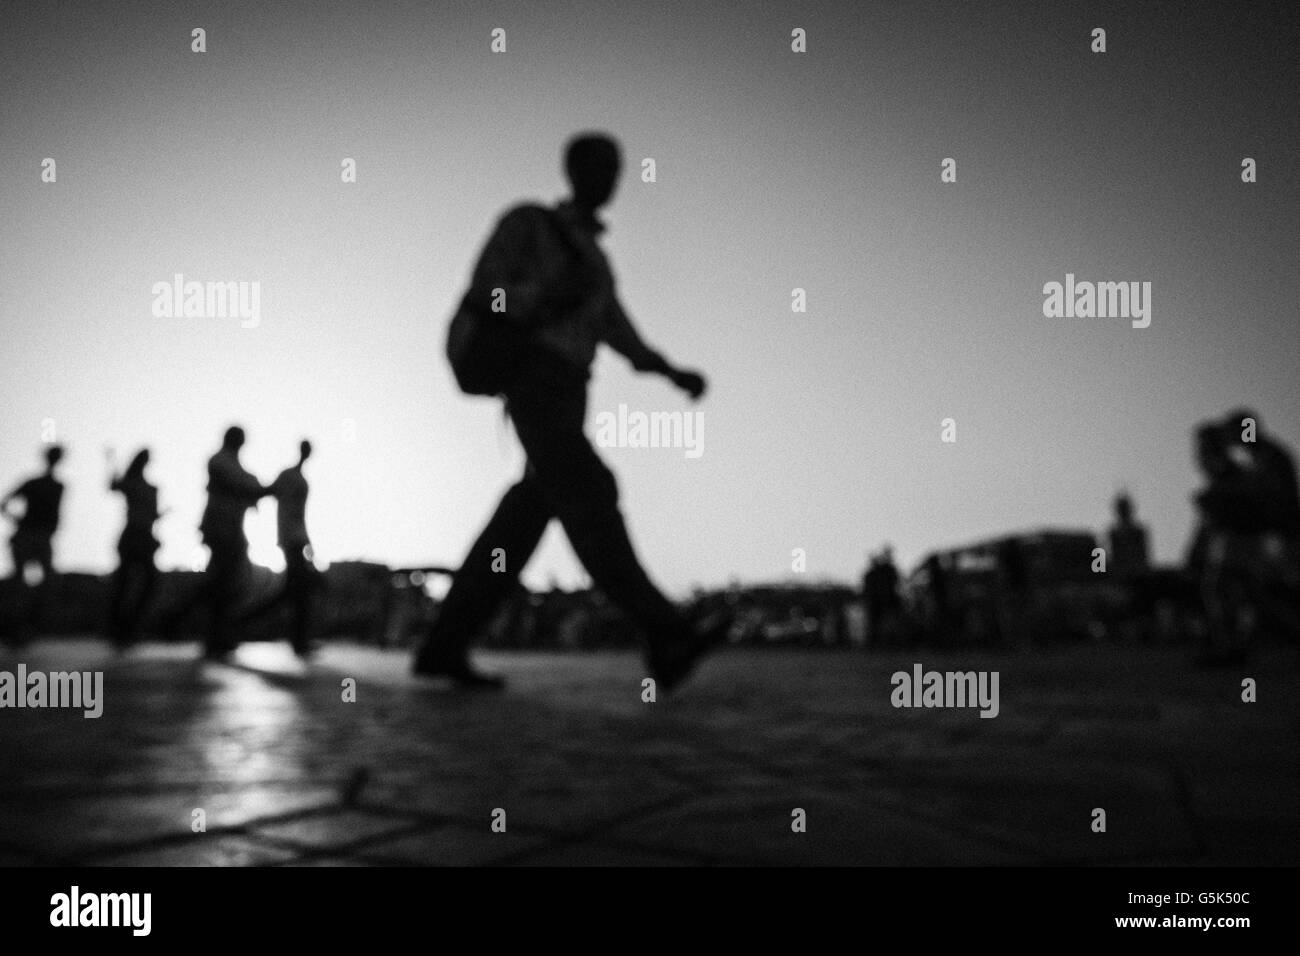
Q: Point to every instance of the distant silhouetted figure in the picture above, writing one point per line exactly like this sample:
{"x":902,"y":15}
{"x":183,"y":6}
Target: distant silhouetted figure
{"x":32,"y":541}
{"x":550,"y":268}
{"x":1248,"y":545}
{"x":231,"y":492}
{"x":1226,"y":503}
{"x":300,"y":576}
{"x":880,"y":592}
{"x":1013,"y":592}
{"x":1128,"y":540}
{"x":1225,"y":554}
{"x":136,"y":576}
{"x":941,"y":599}
{"x":1271,"y":470}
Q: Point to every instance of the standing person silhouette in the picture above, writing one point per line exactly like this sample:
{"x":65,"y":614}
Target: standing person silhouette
{"x":300,"y":578}
{"x":547,"y":263}
{"x":136,"y":576}
{"x":231,"y":492}
{"x":880,"y":591}
{"x":1272,"y":470}
{"x":33,"y":539}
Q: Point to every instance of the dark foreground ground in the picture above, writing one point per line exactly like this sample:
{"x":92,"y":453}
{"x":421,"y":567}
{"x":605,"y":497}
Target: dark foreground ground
{"x":286,"y":772}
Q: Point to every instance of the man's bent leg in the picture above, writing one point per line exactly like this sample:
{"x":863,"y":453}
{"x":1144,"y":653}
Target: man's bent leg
{"x":477,"y":590}
{"x":583,"y":493}
{"x":225,"y":566}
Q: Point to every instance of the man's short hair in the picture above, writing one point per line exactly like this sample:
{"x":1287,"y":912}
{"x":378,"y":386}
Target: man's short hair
{"x":1234,"y":418}
{"x":233,"y":438}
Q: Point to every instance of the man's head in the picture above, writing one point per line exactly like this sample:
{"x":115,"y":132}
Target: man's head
{"x":592,"y":162}
{"x":1233,"y":420}
{"x":1212,"y":450}
{"x":304,"y":451}
{"x":233,"y":440}
{"x":53,"y":455}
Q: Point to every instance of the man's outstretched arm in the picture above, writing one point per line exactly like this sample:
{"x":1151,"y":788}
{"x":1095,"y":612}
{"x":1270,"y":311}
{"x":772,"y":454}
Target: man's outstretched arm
{"x":621,"y":335}
{"x":231,"y":478}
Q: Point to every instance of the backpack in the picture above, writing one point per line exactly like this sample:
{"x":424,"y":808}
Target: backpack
{"x":485,"y":349}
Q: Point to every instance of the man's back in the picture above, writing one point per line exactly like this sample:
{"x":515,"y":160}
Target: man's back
{"x":290,"y":489}
{"x":231,"y":492}
{"x":42,"y":497}
{"x":141,"y":501}
{"x":554,"y":272}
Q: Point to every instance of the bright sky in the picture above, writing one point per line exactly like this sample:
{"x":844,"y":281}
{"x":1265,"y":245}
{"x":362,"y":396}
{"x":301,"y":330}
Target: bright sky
{"x":775,"y":170}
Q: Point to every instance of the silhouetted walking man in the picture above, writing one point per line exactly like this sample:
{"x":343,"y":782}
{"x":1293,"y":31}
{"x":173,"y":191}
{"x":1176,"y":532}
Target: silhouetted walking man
{"x":231,"y":492}
{"x":136,"y":576}
{"x":300,"y":577}
{"x":548,"y":265}
{"x":32,"y":541}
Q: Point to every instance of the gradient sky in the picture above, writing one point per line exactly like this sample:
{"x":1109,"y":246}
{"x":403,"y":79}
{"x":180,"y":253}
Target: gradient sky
{"x":775,"y":171}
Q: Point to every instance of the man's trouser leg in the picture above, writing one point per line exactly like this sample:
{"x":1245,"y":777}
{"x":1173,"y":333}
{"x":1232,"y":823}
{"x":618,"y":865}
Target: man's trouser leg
{"x":117,"y":603}
{"x":224,"y":572}
{"x":32,"y":548}
{"x":299,"y":583}
{"x":477,"y":591}
{"x":582,"y":492}
{"x":24,"y":609}
{"x":146,"y":576}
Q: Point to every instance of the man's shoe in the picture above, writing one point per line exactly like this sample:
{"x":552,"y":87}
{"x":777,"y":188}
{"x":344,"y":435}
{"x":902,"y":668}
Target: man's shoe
{"x":459,"y":671}
{"x":672,"y":666}
{"x":220,"y":653}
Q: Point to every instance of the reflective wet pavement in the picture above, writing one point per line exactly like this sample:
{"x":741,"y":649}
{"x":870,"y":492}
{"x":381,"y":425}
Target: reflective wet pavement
{"x":287,"y":772}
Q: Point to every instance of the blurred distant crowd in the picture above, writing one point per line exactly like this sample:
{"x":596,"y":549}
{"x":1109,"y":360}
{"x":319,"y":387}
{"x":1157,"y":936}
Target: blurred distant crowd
{"x":1238,"y":584}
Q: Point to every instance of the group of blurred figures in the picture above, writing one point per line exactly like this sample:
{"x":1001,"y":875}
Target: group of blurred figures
{"x":1245,"y":554}
{"x":1240,"y":580}
{"x":232,"y":490}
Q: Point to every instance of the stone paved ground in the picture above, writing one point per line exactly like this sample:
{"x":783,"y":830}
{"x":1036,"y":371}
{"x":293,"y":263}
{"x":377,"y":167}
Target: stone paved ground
{"x":288,"y":774}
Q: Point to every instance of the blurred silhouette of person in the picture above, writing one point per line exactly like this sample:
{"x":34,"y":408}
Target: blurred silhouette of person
{"x":1211,"y":452}
{"x":1128,"y":540}
{"x":231,"y":492}
{"x":1013,"y":592}
{"x":937,"y":580}
{"x":1134,"y":585}
{"x":136,"y":576}
{"x":880,"y":593}
{"x":548,"y":262}
{"x":33,"y":537}
{"x":300,"y":576}
{"x":1271,"y":562}
{"x":1272,"y":471}
{"x":1224,"y":557}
